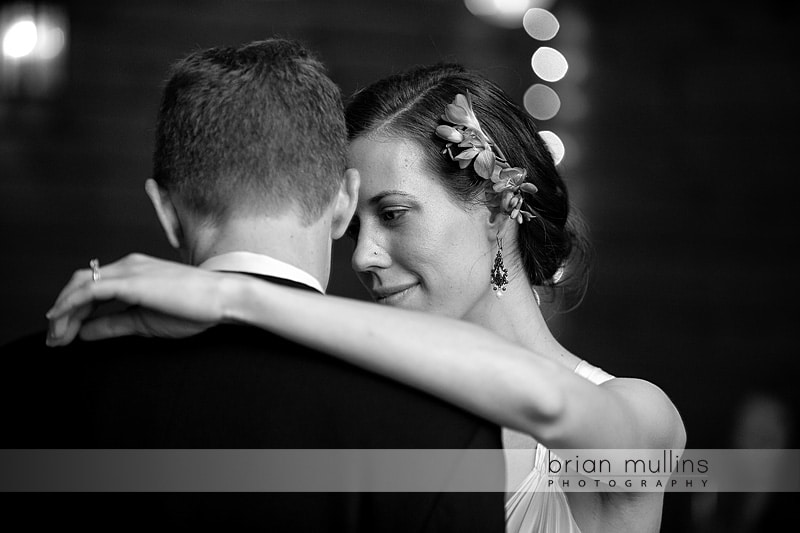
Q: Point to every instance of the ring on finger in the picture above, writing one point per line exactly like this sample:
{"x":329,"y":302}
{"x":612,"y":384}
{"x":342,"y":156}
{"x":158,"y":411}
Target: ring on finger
{"x":94,"y":264}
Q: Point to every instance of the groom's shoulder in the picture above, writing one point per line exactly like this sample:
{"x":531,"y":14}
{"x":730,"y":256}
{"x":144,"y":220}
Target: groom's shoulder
{"x":227,"y":353}
{"x":223,"y":338}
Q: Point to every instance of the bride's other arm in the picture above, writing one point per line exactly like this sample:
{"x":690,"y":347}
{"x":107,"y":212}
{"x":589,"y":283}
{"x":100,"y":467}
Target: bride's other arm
{"x":457,"y":361}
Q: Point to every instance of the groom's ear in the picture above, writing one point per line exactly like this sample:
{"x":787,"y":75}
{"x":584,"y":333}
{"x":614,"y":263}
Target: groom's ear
{"x":165,"y":210}
{"x":345,"y":203}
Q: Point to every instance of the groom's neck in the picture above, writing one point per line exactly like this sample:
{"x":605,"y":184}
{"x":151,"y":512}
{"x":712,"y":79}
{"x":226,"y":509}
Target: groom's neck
{"x":283,"y":238}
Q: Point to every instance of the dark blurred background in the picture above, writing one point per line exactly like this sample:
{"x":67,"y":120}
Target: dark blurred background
{"x":678,"y":120}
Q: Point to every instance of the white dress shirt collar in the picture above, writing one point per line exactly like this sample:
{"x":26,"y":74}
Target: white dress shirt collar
{"x":264,"y":265}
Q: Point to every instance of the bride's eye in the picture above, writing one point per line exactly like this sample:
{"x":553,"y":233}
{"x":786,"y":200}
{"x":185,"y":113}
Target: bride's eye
{"x":392,"y":215}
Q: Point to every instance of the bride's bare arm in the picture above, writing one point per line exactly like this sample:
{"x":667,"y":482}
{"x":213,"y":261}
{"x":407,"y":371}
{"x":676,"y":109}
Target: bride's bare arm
{"x":469,"y":366}
{"x":457,"y":361}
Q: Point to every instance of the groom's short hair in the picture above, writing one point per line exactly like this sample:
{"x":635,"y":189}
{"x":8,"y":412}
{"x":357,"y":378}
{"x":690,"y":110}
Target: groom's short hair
{"x":257,"y":128}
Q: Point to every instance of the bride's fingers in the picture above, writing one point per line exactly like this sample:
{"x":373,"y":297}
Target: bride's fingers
{"x":64,"y":329}
{"x":81,"y":277}
{"x":114,"y":325}
{"x":86,"y":293}
{"x":75,"y":321}
{"x":68,"y":294}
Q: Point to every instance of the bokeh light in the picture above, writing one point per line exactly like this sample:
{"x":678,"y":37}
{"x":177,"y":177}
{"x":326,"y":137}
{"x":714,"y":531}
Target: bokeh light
{"x":554,"y":144}
{"x":51,"y":42}
{"x":511,"y":7}
{"x":503,"y":13}
{"x":20,"y":39}
{"x":540,"y":24}
{"x":34,"y":39}
{"x":541,"y":102}
{"x":549,"y":64}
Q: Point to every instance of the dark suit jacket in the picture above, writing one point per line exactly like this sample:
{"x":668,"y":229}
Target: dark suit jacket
{"x":231,"y":387}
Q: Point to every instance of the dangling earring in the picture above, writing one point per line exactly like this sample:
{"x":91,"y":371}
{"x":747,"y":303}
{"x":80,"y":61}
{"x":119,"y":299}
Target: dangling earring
{"x":499,"y":274}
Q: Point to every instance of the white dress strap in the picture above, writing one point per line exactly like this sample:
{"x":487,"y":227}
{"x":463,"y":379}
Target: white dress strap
{"x":593,"y":373}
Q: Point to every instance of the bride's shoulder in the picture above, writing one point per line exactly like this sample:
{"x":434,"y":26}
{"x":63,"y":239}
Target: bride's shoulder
{"x":659,"y":422}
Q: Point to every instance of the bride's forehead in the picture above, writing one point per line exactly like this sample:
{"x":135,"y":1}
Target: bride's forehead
{"x":382,"y":162}
{"x":393,"y":152}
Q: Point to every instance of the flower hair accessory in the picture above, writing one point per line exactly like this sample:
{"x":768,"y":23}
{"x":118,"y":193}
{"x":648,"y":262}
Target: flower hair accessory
{"x":507,"y":183}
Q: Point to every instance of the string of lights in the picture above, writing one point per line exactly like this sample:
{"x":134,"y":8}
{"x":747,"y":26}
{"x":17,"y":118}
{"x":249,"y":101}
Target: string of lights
{"x":557,"y":91}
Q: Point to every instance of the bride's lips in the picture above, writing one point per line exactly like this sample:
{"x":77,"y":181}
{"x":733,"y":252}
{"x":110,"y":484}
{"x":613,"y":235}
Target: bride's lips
{"x":393,"y":295}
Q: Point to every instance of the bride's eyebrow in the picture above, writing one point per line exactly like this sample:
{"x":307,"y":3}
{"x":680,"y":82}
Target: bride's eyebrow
{"x":383,"y":194}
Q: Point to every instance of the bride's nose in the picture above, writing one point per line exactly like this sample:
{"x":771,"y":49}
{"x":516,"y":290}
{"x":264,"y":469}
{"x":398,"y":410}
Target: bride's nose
{"x":369,"y":254}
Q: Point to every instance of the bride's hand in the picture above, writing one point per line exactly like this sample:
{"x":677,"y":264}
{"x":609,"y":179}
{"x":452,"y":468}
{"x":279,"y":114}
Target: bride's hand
{"x":165,"y":299}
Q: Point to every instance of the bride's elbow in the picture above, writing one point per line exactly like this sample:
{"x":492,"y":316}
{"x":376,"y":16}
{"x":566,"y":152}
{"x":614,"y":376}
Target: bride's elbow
{"x":543,"y":413}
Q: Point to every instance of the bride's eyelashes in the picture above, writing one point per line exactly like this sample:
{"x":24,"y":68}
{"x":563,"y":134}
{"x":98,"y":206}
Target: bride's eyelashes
{"x":392,"y":215}
{"x":388,"y":216}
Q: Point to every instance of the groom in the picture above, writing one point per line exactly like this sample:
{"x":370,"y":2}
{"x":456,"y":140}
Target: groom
{"x":249,"y":176}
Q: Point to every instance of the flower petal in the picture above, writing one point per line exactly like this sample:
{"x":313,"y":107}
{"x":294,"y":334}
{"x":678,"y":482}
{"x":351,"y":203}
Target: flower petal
{"x":484,"y":164}
{"x":514,"y":174}
{"x":462,"y":101}
{"x":460,"y":112}
{"x":457,"y":115}
{"x":467,"y":154}
{"x":493,"y":199}
{"x":449,"y":133}
{"x":499,"y":186}
{"x":529,"y":188}
{"x":505,"y":200}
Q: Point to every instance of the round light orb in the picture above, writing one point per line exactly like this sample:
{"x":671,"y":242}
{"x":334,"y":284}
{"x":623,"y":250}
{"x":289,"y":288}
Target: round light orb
{"x":541,"y":102}
{"x":549,"y":64}
{"x":503,"y":13}
{"x":51,"y":42}
{"x":20,"y":39}
{"x":540,"y":24}
{"x":554,"y":144}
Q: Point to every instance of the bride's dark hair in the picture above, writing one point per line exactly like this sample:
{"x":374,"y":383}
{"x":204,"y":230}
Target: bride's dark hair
{"x":410,"y":105}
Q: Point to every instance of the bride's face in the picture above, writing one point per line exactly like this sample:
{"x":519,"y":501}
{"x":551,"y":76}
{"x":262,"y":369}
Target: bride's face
{"x":416,"y":247}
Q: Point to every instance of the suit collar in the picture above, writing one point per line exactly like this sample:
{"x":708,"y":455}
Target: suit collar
{"x":262,"y":266}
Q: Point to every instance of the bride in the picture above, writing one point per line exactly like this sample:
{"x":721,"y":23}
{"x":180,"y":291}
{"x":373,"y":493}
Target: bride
{"x":462,"y":221}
